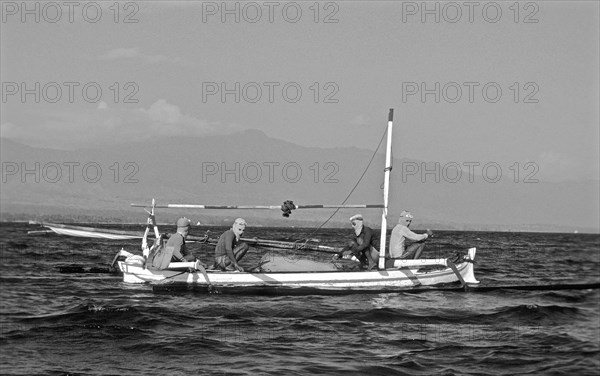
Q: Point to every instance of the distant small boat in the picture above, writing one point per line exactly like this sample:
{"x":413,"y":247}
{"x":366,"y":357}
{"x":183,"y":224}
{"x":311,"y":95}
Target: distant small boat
{"x":92,"y":232}
{"x":104,"y":233}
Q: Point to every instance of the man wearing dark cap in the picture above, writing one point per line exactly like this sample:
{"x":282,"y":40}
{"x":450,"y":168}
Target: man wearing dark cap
{"x":177,"y":241}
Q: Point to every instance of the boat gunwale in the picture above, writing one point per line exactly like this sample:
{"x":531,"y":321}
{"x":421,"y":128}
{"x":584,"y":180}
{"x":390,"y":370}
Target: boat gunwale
{"x":269,"y":278}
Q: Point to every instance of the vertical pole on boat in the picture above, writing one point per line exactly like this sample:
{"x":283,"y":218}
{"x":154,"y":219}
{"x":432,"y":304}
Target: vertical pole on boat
{"x":156,"y":233}
{"x":386,"y":188}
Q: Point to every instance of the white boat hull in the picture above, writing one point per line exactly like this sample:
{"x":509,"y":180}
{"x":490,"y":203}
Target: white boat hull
{"x":389,"y":279}
{"x":73,"y":232}
{"x":89,"y":232}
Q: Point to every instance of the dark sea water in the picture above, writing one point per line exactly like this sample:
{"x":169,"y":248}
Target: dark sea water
{"x":55,"y":323}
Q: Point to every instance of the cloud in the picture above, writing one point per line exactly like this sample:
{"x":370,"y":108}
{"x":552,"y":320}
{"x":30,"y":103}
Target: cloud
{"x":360,"y":120}
{"x":105,"y":125}
{"x":162,"y":111}
{"x":560,"y":166}
{"x":121,"y":53}
{"x":135,"y":54}
{"x":6,"y":129}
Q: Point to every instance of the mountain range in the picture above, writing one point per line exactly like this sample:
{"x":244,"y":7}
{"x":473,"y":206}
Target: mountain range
{"x":250,"y":168}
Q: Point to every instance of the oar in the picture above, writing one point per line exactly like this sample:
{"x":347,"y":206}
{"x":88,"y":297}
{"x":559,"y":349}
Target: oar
{"x":197,"y":266}
{"x":304,"y":246}
{"x":205,"y":274}
{"x":291,"y":245}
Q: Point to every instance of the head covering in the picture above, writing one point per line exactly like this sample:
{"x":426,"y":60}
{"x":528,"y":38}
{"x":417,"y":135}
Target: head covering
{"x":183,"y":222}
{"x":405,"y":216}
{"x":356,"y":217}
{"x":358,"y":226}
{"x":238,"y":227}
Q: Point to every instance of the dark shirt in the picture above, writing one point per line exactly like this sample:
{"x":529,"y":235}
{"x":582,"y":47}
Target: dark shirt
{"x":227,"y":242}
{"x":180,"y":251}
{"x":365,"y":240}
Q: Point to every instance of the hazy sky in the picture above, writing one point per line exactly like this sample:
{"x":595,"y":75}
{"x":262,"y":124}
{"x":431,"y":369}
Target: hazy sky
{"x":515,"y":83}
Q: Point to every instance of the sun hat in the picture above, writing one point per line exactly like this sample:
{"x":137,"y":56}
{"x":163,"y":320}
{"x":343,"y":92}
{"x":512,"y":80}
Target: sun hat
{"x":356,"y":217}
{"x":240,"y":221}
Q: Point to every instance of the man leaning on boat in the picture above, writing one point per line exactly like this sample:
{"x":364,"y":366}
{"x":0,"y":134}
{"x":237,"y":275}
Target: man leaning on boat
{"x":364,"y":245}
{"x":228,"y":251}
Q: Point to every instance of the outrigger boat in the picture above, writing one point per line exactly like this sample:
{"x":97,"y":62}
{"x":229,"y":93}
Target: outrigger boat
{"x":88,"y":232}
{"x":391,"y":274}
{"x":403,"y":274}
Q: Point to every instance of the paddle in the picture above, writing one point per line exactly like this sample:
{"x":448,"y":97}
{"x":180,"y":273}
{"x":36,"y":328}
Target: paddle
{"x":305,"y":246}
{"x":200,"y":267}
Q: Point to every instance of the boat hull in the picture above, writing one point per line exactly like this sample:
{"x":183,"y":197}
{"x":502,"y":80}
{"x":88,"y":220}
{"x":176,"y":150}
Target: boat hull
{"x":390,"y":279}
{"x":91,"y":232}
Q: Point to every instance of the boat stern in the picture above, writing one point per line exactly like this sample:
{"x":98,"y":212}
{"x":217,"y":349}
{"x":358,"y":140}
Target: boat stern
{"x":468,"y":273}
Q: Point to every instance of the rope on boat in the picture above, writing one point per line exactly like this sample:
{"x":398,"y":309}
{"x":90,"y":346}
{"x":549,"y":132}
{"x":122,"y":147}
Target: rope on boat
{"x":353,"y":188}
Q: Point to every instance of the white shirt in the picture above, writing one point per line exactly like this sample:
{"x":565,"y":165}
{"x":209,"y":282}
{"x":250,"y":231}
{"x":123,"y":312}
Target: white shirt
{"x":399,"y":233}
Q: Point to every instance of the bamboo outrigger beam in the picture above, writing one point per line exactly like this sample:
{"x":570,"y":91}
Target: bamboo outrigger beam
{"x":270,"y":207}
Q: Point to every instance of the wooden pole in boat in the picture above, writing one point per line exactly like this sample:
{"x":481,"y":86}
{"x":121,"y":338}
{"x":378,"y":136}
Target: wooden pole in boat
{"x":386,"y":188}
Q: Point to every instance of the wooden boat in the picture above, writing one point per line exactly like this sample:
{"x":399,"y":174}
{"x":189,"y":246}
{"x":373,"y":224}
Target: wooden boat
{"x":405,"y":274}
{"x":91,"y":232}
{"x":391,"y":274}
{"x":322,"y":276}
{"x":104,"y":233}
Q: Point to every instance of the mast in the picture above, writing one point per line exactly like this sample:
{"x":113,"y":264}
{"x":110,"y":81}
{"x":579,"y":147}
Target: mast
{"x":386,"y":188}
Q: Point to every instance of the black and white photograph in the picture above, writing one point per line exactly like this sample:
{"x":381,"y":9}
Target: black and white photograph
{"x":303,"y":187}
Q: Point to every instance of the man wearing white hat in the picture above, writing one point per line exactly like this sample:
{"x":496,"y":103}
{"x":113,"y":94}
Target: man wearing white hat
{"x":228,"y":251}
{"x":400,"y":233}
{"x":365,"y":245}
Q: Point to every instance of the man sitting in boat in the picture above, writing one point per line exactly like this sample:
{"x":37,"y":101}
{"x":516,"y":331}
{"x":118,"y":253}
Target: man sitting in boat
{"x":228,"y":251}
{"x":401,"y":232}
{"x":365,"y":244}
{"x":177,"y":242}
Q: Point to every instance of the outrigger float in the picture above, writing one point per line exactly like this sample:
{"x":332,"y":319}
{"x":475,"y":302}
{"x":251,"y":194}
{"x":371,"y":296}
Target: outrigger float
{"x":333,"y":276}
